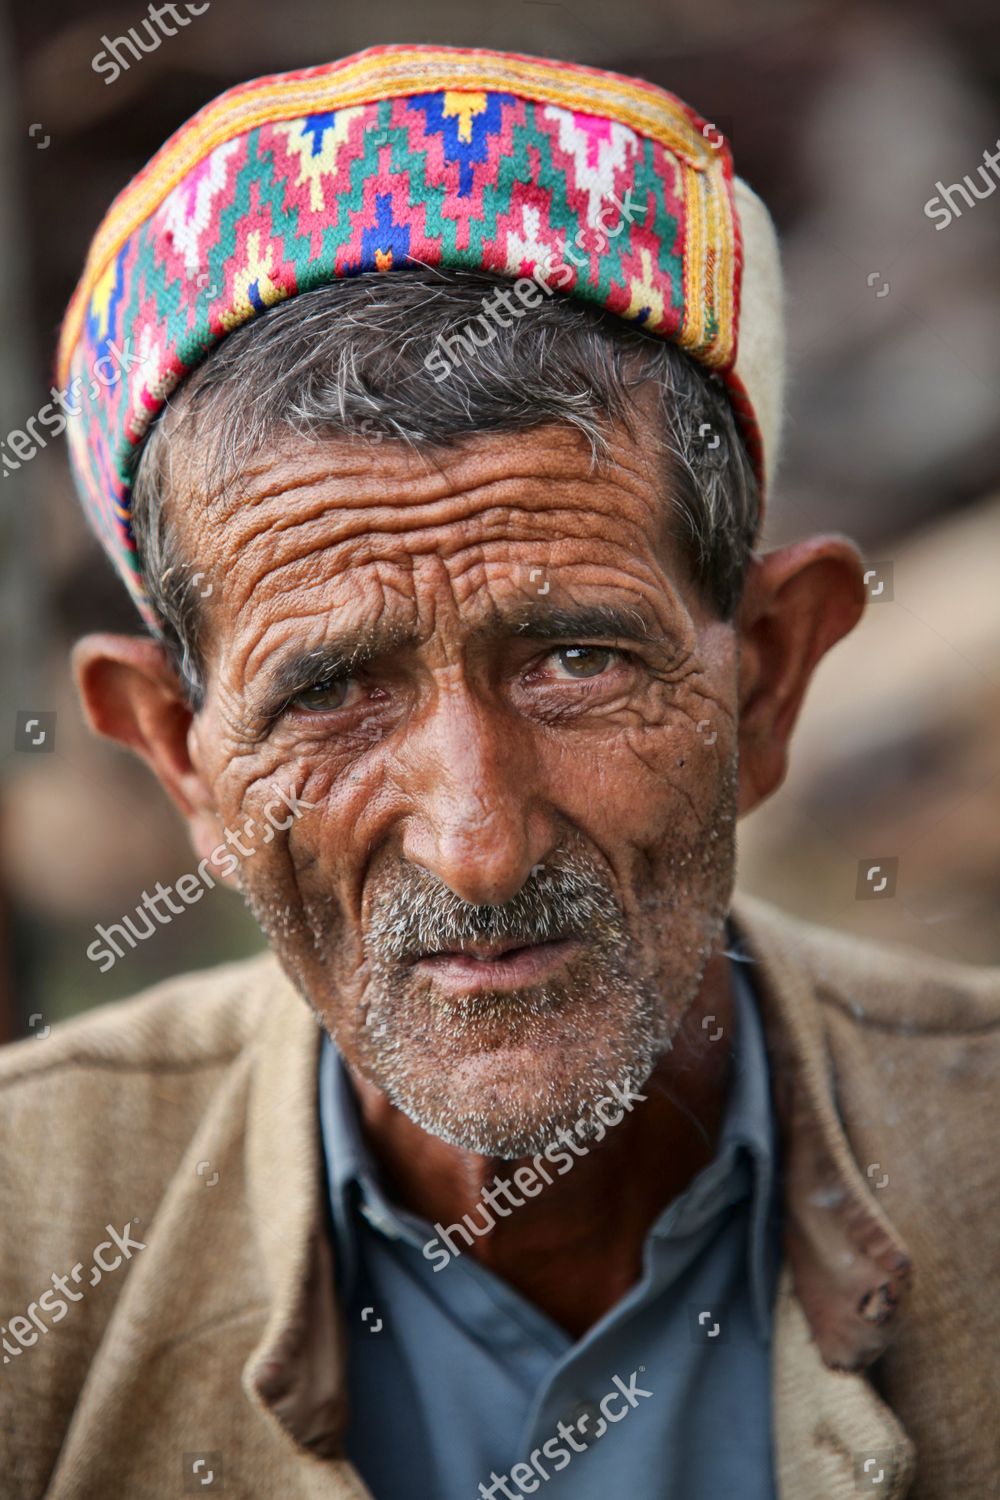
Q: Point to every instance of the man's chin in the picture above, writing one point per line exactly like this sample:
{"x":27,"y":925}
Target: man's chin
{"x":511,"y":1101}
{"x":503,"y":1070}
{"x":516,"y":1130}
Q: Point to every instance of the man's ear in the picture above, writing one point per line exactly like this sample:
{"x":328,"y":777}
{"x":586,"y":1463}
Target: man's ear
{"x":131,"y":693}
{"x":797,"y":602}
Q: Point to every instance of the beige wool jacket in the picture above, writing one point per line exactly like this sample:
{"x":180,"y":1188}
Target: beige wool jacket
{"x":185,"y":1122}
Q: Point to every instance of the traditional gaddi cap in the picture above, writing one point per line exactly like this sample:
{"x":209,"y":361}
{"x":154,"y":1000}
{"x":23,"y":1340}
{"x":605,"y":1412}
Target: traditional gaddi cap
{"x":606,"y":187}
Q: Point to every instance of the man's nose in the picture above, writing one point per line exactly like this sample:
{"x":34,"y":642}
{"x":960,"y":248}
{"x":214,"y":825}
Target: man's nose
{"x":476,"y":818}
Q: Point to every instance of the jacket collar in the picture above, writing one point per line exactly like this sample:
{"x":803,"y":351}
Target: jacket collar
{"x":847,"y":1264}
{"x":851,"y":1269}
{"x":294,"y":1376}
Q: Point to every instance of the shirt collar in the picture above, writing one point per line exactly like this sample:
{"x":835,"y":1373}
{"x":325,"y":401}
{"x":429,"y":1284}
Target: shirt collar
{"x":351,"y":1172}
{"x":743,"y":1166}
{"x":750,"y":1123}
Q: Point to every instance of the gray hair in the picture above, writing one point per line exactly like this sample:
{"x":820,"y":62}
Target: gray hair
{"x":352,"y":357}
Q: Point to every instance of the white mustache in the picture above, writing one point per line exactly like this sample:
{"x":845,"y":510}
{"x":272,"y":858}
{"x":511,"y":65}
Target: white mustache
{"x":422,"y":915}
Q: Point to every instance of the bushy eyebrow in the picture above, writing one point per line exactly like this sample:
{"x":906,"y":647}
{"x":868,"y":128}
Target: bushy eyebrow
{"x":347,"y":652}
{"x":550,"y":622}
{"x":351,"y":651}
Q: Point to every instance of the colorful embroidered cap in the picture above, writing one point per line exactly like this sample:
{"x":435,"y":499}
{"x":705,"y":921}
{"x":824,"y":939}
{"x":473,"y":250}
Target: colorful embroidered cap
{"x":602,"y":187}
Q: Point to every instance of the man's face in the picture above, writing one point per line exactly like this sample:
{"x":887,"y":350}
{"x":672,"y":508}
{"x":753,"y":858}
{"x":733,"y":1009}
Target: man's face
{"x":513,"y":721}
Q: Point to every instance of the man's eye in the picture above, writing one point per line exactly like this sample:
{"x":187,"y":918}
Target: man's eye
{"x":323,"y":696}
{"x":585,"y":661}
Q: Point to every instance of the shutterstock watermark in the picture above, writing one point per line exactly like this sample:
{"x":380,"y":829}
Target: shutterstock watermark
{"x":943,"y":206}
{"x":532,"y":1179}
{"x":26,"y":1327}
{"x":109,"y":60}
{"x":25,"y":442}
{"x":528,"y":290}
{"x":528,"y":1477}
{"x":104,"y":950}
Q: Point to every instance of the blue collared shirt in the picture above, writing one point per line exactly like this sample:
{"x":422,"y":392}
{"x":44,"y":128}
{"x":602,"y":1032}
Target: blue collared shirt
{"x":458,"y":1384}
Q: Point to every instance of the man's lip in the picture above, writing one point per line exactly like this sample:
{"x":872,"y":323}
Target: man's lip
{"x":483,"y":950}
{"x":501,"y":966}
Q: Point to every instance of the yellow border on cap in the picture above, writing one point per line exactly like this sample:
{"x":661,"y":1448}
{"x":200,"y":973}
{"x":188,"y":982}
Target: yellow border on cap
{"x":378,"y":74}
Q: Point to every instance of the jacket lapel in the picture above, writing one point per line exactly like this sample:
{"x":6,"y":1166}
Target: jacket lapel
{"x":850,"y":1267}
{"x":295,"y":1375}
{"x":846,"y":1271}
{"x":834,"y":1436}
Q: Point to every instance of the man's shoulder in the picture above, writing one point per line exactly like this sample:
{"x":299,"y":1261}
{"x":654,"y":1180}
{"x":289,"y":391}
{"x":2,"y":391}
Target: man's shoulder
{"x":107,"y":1125}
{"x":190,"y":1022}
{"x":874,"y":986}
{"x":97,"y":1116}
{"x":139,"y":1070}
{"x":901,"y":1049}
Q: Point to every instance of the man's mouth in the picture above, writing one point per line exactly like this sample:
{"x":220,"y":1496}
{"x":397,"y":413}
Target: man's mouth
{"x":495,"y":966}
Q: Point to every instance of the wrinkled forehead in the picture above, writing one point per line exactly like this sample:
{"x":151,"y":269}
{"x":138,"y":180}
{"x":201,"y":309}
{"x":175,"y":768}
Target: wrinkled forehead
{"x":210,"y":456}
{"x":320,"y":533}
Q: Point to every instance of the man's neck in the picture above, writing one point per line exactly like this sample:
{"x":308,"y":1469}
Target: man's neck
{"x":575,"y":1248}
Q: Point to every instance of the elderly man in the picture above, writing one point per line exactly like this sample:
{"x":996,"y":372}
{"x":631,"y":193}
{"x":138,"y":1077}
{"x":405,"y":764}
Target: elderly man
{"x":450,"y":395}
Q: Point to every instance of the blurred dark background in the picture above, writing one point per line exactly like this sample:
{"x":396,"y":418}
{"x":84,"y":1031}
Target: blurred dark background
{"x":843,"y":117}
